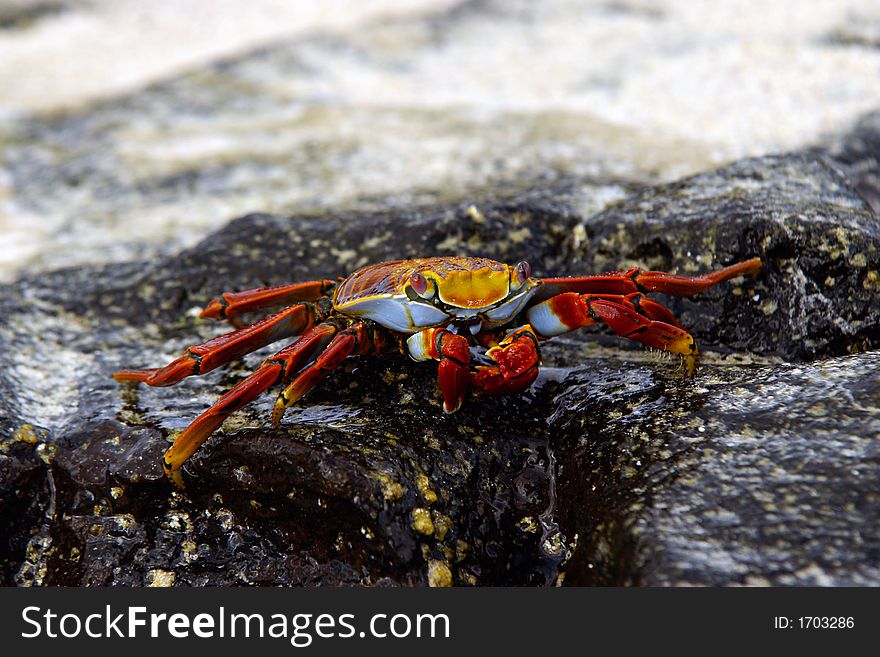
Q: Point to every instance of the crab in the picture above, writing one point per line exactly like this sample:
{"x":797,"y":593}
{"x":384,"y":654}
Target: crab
{"x":482,"y":320}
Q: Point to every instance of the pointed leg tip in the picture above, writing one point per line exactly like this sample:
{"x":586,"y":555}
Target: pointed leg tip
{"x":751,"y":268}
{"x":176,"y":477}
{"x":684,"y":346}
{"x":278,"y":412}
{"x":133,"y":376}
{"x":214,"y":310}
{"x":173,"y":472}
{"x":449,"y":409}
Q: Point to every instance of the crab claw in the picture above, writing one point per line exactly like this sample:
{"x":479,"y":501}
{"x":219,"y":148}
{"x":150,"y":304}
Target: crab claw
{"x":452,"y":373}
{"x":454,"y":384}
{"x":518,"y":359}
{"x":453,"y":352}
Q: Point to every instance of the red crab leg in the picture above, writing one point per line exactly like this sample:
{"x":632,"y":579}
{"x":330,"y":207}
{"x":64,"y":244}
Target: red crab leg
{"x":230,"y":304}
{"x":279,"y":367}
{"x":570,"y":311}
{"x":518,"y":358}
{"x":218,"y":351}
{"x":359,"y":338}
{"x":642,"y":305}
{"x":453,"y":352}
{"x":636,"y":280}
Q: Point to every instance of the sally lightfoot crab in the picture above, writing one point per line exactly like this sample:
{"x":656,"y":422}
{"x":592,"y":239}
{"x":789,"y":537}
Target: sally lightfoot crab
{"x":482,"y":320}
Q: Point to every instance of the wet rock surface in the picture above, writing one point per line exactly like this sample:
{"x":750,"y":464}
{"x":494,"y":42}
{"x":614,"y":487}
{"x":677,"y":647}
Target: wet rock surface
{"x":615,"y":468}
{"x":751,"y":475}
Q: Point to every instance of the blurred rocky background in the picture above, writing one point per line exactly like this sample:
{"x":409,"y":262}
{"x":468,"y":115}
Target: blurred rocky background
{"x":130,"y":128}
{"x":155,"y":154}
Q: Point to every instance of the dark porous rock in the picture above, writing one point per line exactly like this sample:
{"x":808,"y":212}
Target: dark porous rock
{"x":858,"y":154}
{"x":616,"y":467}
{"x":753,"y":475}
{"x":818,"y":292}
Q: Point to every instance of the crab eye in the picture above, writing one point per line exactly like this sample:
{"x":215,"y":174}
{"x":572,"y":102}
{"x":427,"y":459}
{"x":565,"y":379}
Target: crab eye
{"x":523,"y":272}
{"x":418,"y":282}
{"x":419,"y":285}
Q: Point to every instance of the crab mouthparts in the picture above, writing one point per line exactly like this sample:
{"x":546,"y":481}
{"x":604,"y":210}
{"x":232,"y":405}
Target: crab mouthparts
{"x":471,"y":323}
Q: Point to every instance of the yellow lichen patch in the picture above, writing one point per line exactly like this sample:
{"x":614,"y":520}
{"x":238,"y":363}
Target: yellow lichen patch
{"x":391,"y":377}
{"x":344,"y":256}
{"x":519,"y":236}
{"x":33,"y":571}
{"x":475,"y":215}
{"x":769,"y":306}
{"x":226,"y":519}
{"x":376,"y":240}
{"x":25,"y":434}
{"x":176,"y":521}
{"x":450,"y":243}
{"x":872,"y":281}
{"x":425,"y":491}
{"x":475,"y":242}
{"x":391,"y":489}
{"x":579,"y":233}
{"x":432,"y":442}
{"x":442,"y":525}
{"x":189,"y":551}
{"x":124,"y":521}
{"x":160,"y":578}
{"x":421,"y":521}
{"x":817,"y":410}
{"x":528,"y":524}
{"x":439,"y":573}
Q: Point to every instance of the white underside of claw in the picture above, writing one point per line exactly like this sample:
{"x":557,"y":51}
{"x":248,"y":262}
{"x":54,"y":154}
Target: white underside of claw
{"x":418,"y":346}
{"x":545,"y":322}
